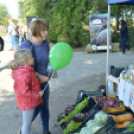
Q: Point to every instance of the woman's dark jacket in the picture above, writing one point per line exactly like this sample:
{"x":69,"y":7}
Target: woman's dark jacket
{"x":124,"y":29}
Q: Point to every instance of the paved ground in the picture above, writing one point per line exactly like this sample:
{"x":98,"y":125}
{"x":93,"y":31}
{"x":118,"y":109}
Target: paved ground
{"x":85,"y":72}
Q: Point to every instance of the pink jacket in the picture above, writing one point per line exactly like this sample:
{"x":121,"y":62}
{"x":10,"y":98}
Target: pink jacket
{"x":26,"y":88}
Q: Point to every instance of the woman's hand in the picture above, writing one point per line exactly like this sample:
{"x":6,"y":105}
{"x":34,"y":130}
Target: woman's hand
{"x":42,"y":78}
{"x":117,"y":31}
{"x":41,"y":93}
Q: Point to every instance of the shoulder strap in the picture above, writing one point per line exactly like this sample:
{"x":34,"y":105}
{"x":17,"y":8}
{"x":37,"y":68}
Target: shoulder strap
{"x":34,"y":55}
{"x":13,"y":27}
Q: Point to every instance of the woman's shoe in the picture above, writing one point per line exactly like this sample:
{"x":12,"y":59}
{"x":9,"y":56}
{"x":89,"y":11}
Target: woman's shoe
{"x":46,"y":132}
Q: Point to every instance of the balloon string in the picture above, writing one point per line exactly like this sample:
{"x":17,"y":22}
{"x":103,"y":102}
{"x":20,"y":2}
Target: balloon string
{"x":47,"y":82}
{"x":45,"y":87}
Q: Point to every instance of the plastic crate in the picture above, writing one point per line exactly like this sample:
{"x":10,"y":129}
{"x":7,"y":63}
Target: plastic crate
{"x":110,"y":124}
{"x":121,"y":130}
{"x":91,"y":103}
{"x":116,"y":71}
{"x":113,"y":110}
{"x":97,"y":92}
{"x":92,"y":113}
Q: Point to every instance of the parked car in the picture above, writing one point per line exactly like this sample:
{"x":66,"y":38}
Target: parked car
{"x":1,"y":44}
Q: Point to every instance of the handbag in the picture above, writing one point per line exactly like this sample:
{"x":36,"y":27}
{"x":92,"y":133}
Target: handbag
{"x":55,"y":74}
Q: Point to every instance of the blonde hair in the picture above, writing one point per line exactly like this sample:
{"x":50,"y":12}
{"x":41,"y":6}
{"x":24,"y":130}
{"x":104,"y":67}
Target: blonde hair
{"x":38,"y":25}
{"x":19,"y":58}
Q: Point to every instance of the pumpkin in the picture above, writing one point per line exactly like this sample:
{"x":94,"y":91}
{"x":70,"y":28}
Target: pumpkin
{"x":122,"y":118}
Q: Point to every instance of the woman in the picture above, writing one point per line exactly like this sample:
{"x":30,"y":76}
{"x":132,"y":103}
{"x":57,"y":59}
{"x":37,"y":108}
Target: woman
{"x":39,"y":29}
{"x":123,"y":35}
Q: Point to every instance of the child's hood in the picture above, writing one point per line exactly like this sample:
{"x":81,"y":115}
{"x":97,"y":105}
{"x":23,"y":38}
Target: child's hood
{"x":17,"y":73}
{"x":20,"y":71}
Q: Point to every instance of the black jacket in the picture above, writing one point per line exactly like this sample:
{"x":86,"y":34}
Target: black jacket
{"x":124,"y":29}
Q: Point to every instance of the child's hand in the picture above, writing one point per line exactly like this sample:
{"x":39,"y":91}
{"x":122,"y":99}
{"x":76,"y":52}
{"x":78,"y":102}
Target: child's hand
{"x":41,"y":93}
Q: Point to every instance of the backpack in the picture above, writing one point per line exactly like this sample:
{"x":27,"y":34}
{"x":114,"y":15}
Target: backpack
{"x":1,"y":44}
{"x":16,"y":29}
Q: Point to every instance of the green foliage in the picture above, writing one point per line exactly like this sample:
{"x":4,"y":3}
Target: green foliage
{"x":22,"y":11}
{"x":15,"y":21}
{"x":100,"y":7}
{"x":3,"y":14}
{"x":130,"y":24}
{"x":66,"y":17}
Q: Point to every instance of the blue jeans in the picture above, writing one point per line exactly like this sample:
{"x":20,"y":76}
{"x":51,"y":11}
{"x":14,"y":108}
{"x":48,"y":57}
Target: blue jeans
{"x":44,"y":113}
{"x":15,"y":41}
{"x":123,"y":44}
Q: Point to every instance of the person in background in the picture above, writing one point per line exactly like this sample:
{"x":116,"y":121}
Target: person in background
{"x":27,"y":88}
{"x":7,"y":29}
{"x":21,"y":34}
{"x":13,"y":31}
{"x":29,"y":31}
{"x":8,"y":39}
{"x":39,"y":29}
{"x":123,"y":35}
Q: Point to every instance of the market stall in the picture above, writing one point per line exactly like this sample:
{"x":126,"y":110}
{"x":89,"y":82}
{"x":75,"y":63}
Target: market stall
{"x":111,"y":2}
{"x":96,"y":115}
{"x":97,"y":112}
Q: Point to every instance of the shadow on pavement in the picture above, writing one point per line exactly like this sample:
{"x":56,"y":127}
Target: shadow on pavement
{"x":4,"y":67}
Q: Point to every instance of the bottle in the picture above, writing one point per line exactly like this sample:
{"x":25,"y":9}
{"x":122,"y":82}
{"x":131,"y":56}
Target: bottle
{"x":49,"y":70}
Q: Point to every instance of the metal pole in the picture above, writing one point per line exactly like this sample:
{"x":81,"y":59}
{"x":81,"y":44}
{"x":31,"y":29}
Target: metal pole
{"x":108,"y":43}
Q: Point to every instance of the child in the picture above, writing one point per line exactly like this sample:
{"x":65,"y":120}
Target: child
{"x":27,"y":89}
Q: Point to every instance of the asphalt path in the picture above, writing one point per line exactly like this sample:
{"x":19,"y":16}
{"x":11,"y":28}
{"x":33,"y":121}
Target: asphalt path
{"x":85,"y":72}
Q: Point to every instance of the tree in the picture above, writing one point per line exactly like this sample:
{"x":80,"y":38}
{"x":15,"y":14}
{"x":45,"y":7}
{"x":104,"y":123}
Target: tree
{"x":66,"y":17}
{"x":3,"y":14}
{"x":22,"y":11}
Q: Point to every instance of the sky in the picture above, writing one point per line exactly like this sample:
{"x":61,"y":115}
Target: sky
{"x":12,"y":7}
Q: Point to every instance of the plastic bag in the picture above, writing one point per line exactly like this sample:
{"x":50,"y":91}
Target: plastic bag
{"x":55,"y":74}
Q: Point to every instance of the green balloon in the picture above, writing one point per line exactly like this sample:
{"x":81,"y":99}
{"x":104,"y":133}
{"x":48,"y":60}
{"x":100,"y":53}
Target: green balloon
{"x":60,"y":55}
